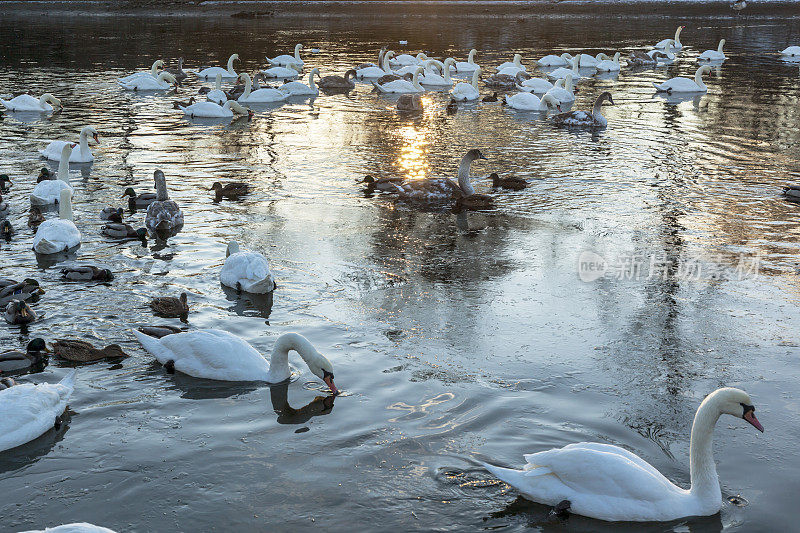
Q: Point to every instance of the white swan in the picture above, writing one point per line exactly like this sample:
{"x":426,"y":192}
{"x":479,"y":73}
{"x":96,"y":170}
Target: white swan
{"x":84,"y":155}
{"x":528,"y":102}
{"x":292,"y":71}
{"x":677,"y":45}
{"x":514,"y":66}
{"x":437,"y":190}
{"x":26,"y":102}
{"x":465,"y":67}
{"x":217,"y":95}
{"x":585,"y":60}
{"x":609,"y":65}
{"x":144,"y":83}
{"x":285,"y":60}
{"x":466,"y":92}
{"x":49,"y":191}
{"x":685,"y":85}
{"x":791,"y":51}
{"x":211,"y":72}
{"x":246,"y":271}
{"x":29,"y":410}
{"x":153,"y":72}
{"x":376,"y":71}
{"x":610,"y":483}
{"x":562,"y":72}
{"x":552,"y":60}
{"x":433,"y":79}
{"x":535,"y":85}
{"x":56,"y":235}
{"x":402,"y":86}
{"x":407,"y":60}
{"x":77,"y":527}
{"x":259,"y":96}
{"x":582,"y":119}
{"x":214,"y":110}
{"x":563,"y":90}
{"x":297,"y":88}
{"x":713,"y":55}
{"x":217,"y":354}
{"x":163,"y":217}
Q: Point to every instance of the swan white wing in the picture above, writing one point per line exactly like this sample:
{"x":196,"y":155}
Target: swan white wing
{"x":587,"y":61}
{"x":607,"y":65}
{"x":250,"y":270}
{"x":397,"y":87}
{"x":209,"y":354}
{"x":561,"y":94}
{"x":711,"y":55}
{"x":551,"y":60}
{"x":49,"y":191}
{"x":217,"y":96}
{"x":28,"y":411}
{"x":664,"y":42}
{"x":678,"y":85}
{"x":791,"y":51}
{"x":513,"y":70}
{"x":56,"y":235}
{"x":404,"y":60}
{"x":283,"y":72}
{"x":211,"y":73}
{"x":430,"y":78}
{"x":562,"y":72}
{"x":539,"y":85}
{"x":134,"y":76}
{"x":464,"y":92}
{"x":25,"y":102}
{"x":265,"y":96}
{"x":465,"y":66}
{"x":523,"y":101}
{"x":286,"y":60}
{"x":53,"y":152}
{"x":296,"y":88}
{"x":207,"y":109}
{"x":78,"y":527}
{"x":370,"y":72}
{"x":145,"y":84}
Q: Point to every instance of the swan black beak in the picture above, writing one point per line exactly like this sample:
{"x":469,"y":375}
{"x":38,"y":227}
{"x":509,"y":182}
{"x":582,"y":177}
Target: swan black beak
{"x":96,"y":138}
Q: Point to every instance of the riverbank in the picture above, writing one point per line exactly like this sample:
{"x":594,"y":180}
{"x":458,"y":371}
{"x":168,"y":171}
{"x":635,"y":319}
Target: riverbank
{"x":258,"y":9}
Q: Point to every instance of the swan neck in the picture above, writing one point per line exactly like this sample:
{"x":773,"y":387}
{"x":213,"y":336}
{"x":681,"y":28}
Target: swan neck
{"x":161,"y":187}
{"x":218,"y":84}
{"x":154,"y":69}
{"x":678,"y":35}
{"x":84,"y":143}
{"x":230,"y":65}
{"x":311,"y":79}
{"x":463,"y":176}
{"x":65,"y":205}
{"x":703,"y":471}
{"x":721,"y":44}
{"x":698,"y":79}
{"x":447,"y":79}
{"x":297,"y":52}
{"x":596,"y":110}
{"x":471,"y":57}
{"x":475,"y":79}
{"x":415,"y":81}
{"x":248,"y":86}
{"x":279,"y":360}
{"x":63,"y":166}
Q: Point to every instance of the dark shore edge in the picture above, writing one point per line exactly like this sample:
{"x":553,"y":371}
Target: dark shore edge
{"x":292,"y":8}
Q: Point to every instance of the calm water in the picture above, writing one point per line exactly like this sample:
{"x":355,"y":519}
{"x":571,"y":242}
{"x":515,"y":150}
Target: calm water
{"x":453,"y":337}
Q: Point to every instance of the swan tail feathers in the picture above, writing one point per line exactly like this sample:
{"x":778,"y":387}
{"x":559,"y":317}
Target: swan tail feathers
{"x":154,"y":346}
{"x":378,"y":87}
{"x":507,"y":475}
{"x":658,"y":87}
{"x":69,"y":380}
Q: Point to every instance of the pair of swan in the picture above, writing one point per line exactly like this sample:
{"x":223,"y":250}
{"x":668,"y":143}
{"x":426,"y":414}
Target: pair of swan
{"x":676,"y":41}
{"x":29,"y":410}
{"x":685,"y":85}
{"x":211,"y":72}
{"x":609,"y":64}
{"x":26,"y":102}
{"x":286,"y":60}
{"x":713,"y":55}
{"x":376,"y":71}
{"x":431,"y":78}
{"x":582,"y":119}
{"x":217,"y":95}
{"x":563,"y":90}
{"x":219,"y":355}
{"x":246,"y":271}
{"x":164,"y":217}
{"x":512,"y":68}
{"x":56,"y":235}
{"x":262,"y":96}
{"x":525,"y":101}
{"x":552,"y":60}
{"x":48,"y":191}
{"x":147,"y":83}
{"x":215,"y":110}
{"x":84,"y":155}
{"x":610,"y":483}
{"x":467,"y":92}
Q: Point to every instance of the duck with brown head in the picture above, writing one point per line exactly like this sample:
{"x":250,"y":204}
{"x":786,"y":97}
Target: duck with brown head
{"x":164,"y":218}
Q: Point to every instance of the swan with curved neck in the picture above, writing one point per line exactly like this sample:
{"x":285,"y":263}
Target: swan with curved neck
{"x":609,"y":64}
{"x":84,"y":155}
{"x":57,"y":235}
{"x":713,"y":55}
{"x":563,"y":71}
{"x":285,"y":60}
{"x":153,"y":72}
{"x":48,"y":191}
{"x":582,"y":119}
{"x":26,"y":102}
{"x":217,"y":354}
{"x":465,"y":92}
{"x":610,"y":483}
{"x":228,"y":72}
{"x":444,"y":79}
{"x":470,"y":65}
{"x":677,"y":45}
{"x":296,"y":88}
{"x":685,"y":85}
{"x":260,"y":95}
{"x":402,"y":86}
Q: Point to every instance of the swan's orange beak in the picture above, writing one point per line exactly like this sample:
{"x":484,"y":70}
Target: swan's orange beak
{"x":96,"y":138}
{"x":329,"y":382}
{"x":751,"y":418}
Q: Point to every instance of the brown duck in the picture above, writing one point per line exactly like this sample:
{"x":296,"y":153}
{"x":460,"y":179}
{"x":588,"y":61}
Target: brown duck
{"x":508,"y":182}
{"x":35,"y":217}
{"x":84,"y":352}
{"x":232,"y":190}
{"x":171,"y":307}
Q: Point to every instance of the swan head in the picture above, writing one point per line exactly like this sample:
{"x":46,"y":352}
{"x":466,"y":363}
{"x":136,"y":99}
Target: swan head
{"x":234,"y":57}
{"x":297,"y":48}
{"x":88,"y":130}
{"x":734,"y":402}
{"x":166,"y":76}
{"x":474,"y":155}
{"x":66,"y":151}
{"x":233,"y":246}
{"x":49,"y":98}
{"x":321,"y":367}
{"x":605,"y":96}
{"x":551,"y":101}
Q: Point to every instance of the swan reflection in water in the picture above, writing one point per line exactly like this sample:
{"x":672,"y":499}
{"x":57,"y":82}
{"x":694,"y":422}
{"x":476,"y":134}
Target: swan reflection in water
{"x":320,"y":405}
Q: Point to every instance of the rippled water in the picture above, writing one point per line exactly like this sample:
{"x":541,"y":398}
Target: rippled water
{"x":454,"y":337}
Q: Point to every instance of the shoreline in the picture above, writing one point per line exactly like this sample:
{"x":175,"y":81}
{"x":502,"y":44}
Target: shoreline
{"x":253,"y":9}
